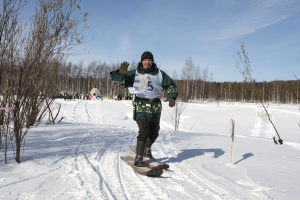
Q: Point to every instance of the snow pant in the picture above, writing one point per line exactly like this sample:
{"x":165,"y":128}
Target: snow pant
{"x":147,"y":130}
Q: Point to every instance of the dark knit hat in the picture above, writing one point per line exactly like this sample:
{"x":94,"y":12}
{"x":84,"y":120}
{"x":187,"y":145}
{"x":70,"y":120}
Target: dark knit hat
{"x":147,"y":55}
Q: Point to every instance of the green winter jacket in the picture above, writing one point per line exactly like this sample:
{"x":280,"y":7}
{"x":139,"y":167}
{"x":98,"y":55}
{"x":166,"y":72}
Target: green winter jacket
{"x":141,"y":109}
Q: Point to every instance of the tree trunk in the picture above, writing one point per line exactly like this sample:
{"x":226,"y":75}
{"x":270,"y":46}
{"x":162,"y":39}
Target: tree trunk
{"x":1,"y":117}
{"x":16,"y":131}
{"x":297,"y":95}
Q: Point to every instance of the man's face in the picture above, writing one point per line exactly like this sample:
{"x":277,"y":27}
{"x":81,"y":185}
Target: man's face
{"x":147,"y":63}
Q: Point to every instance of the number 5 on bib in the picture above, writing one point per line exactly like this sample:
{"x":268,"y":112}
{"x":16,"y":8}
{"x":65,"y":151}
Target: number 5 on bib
{"x":150,"y":86}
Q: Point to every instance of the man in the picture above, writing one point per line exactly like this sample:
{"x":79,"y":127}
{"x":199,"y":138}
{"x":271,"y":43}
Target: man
{"x":148,"y":82}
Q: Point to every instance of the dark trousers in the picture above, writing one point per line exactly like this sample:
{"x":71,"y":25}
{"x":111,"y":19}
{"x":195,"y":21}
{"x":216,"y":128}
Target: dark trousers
{"x":147,"y":129}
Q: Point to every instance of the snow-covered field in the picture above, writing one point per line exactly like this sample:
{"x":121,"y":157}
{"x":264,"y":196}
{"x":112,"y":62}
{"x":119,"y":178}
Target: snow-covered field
{"x":80,"y":158}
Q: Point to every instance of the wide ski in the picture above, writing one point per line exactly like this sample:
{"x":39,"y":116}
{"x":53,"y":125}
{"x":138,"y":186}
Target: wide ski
{"x":142,"y":170}
{"x":151,"y":162}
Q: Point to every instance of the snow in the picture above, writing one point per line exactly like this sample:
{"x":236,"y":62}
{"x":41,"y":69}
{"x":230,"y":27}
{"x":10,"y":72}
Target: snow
{"x":80,"y":158}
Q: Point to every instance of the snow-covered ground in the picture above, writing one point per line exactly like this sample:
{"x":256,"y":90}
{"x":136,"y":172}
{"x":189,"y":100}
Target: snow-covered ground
{"x":80,"y":158}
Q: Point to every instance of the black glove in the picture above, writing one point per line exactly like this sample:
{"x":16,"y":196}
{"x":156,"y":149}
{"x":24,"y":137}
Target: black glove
{"x":171,"y":101}
{"x":123,"y":68}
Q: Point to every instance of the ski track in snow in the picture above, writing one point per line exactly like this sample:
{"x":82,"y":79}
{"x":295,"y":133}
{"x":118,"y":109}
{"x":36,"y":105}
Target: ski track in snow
{"x":112,"y":183}
{"x":91,"y":174}
{"x":97,"y":172}
{"x":125,"y":182}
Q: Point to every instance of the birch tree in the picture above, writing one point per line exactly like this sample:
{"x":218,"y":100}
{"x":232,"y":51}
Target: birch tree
{"x":187,"y":75}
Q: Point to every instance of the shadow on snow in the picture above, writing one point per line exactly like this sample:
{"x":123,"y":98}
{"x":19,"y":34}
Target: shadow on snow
{"x":245,"y":156}
{"x":191,"y":153}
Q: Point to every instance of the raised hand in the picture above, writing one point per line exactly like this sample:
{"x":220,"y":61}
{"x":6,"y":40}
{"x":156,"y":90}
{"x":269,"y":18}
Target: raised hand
{"x":123,"y":68}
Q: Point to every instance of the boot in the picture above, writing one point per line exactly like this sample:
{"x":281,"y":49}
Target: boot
{"x":147,"y":151}
{"x":139,"y":162}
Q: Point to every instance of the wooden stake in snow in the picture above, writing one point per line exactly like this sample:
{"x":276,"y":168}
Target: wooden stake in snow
{"x":232,"y":136}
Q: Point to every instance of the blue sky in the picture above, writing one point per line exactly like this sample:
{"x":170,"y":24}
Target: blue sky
{"x":210,"y":32}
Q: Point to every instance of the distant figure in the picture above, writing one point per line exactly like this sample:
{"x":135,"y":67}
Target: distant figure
{"x":68,"y":97}
{"x":119,"y":97}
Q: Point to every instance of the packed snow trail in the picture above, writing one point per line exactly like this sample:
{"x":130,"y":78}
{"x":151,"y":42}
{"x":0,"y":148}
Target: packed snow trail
{"x":193,"y":181}
{"x":80,"y":159}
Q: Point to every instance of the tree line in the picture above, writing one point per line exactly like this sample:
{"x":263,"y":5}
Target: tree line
{"x":193,"y":84}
